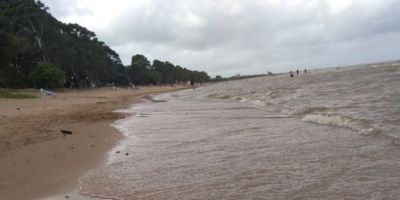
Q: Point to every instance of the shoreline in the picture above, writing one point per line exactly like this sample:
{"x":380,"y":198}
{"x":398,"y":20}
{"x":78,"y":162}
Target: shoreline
{"x":39,"y":161}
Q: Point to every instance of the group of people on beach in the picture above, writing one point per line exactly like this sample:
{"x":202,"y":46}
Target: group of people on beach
{"x":189,"y":84}
{"x":297,"y":72}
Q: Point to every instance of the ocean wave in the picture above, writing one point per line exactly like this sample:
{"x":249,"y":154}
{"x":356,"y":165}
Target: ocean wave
{"x":258,"y":103}
{"x":310,"y":110}
{"x":213,"y":95}
{"x":244,"y":100}
{"x":361,"y":126}
{"x":332,"y":120}
{"x":318,"y":115}
{"x":219,"y":96}
{"x":121,"y":127}
{"x":273,"y":93}
{"x":237,"y":98}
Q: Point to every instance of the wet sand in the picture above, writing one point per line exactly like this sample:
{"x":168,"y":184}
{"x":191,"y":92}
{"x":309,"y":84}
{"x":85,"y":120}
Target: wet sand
{"x":37,"y":160}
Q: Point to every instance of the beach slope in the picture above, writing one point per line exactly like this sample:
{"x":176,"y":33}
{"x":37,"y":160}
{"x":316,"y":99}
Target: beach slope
{"x":38,"y":159}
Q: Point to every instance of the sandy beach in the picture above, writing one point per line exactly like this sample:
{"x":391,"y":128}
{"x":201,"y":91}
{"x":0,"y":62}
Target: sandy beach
{"x":37,"y":159}
{"x":260,"y":100}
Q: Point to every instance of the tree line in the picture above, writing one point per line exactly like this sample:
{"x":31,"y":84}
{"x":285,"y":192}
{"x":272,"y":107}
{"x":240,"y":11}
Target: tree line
{"x":142,"y":72}
{"x":37,"y":50}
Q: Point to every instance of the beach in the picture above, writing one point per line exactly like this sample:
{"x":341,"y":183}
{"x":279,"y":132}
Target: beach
{"x":199,"y":100}
{"x":37,"y":159}
{"x":325,"y":134}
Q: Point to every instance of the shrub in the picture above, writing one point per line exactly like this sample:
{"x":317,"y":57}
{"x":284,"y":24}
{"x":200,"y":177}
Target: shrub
{"x":47,"y":75}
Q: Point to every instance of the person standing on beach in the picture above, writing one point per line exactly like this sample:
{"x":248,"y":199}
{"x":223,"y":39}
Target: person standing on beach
{"x":305,"y":71}
{"x":192,"y":83}
{"x":297,"y":72}
{"x":291,"y":73}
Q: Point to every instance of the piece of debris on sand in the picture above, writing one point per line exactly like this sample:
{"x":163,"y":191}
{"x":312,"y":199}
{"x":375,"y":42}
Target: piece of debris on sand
{"x":66,"y":132}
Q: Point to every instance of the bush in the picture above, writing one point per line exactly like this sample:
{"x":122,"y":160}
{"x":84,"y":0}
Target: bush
{"x":47,"y":75}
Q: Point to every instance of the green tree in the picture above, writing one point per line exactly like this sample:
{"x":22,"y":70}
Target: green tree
{"x":29,"y":35}
{"x":153,"y":77}
{"x":140,"y":61}
{"x":218,"y":78}
{"x":47,"y":75}
{"x":139,"y":69}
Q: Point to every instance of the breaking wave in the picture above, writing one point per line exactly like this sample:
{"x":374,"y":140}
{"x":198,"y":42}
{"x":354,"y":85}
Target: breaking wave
{"x":332,"y":120}
{"x":362,"y":127}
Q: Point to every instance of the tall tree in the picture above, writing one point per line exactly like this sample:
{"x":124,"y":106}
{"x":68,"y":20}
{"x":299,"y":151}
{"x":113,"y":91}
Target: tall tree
{"x":139,"y":69}
{"x":29,"y":35}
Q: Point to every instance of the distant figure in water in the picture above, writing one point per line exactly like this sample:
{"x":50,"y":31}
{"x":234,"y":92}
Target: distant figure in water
{"x":297,"y":72}
{"x":291,"y":73}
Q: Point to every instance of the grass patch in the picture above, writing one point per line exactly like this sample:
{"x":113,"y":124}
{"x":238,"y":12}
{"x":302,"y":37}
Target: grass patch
{"x":5,"y":93}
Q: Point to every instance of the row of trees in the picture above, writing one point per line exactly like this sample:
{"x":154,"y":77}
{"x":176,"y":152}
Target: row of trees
{"x":142,"y":72}
{"x":219,"y":78}
{"x":34,"y":44}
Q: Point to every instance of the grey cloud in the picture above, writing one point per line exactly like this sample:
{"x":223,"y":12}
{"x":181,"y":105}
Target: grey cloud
{"x":229,"y":37}
{"x":64,"y":8}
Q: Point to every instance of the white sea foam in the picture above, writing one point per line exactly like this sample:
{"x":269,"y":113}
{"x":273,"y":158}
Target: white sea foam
{"x":258,"y":103}
{"x":332,"y":120}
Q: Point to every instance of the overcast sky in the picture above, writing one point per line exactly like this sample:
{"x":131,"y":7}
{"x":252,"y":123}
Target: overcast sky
{"x":227,"y":37}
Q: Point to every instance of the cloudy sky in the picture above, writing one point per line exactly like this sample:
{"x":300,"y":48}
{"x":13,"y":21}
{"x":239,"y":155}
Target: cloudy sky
{"x":227,"y":37}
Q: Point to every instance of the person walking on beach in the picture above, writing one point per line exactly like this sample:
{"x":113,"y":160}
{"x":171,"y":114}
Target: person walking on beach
{"x":192,"y":83}
{"x":305,"y":71}
{"x":297,"y":72}
{"x":291,"y":73}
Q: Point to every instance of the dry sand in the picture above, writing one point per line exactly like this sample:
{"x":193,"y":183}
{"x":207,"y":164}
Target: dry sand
{"x":37,"y":160}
